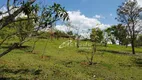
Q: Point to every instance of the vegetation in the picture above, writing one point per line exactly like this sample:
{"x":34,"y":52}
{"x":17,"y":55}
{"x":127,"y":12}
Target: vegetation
{"x":48,"y":16}
{"x":39,"y":51}
{"x":128,"y":14}
{"x":70,"y":63}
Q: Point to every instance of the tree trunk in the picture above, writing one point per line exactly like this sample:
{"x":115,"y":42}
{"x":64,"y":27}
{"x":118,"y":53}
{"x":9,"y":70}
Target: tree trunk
{"x":33,"y":47}
{"x":133,"y":46}
{"x":77,"y":44}
{"x":126,"y":45}
{"x":133,"y":39}
{"x":9,"y":49}
{"x":6,"y":38}
{"x":105,"y":44}
{"x":3,"y":40}
{"x":92,"y":55}
{"x":11,"y":18}
{"x":44,"y":49}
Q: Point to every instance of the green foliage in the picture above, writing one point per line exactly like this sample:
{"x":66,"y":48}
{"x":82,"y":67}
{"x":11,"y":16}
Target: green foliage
{"x":6,"y":31}
{"x":129,"y":15}
{"x":119,"y":33}
{"x":24,"y":29}
{"x":96,"y":35}
{"x":139,"y":41}
{"x":110,"y":36}
{"x":51,"y":14}
{"x":70,"y":33}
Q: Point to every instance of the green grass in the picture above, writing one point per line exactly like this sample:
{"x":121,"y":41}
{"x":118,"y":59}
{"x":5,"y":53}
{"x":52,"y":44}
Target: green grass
{"x":121,"y":48}
{"x":70,"y":63}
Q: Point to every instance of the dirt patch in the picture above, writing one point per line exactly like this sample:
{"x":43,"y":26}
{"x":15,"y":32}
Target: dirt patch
{"x":45,"y":57}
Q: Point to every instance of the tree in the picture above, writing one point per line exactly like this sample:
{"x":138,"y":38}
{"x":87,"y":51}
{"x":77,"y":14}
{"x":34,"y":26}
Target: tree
{"x":139,"y":41}
{"x":105,"y":38}
{"x":6,"y":33}
{"x":76,"y":32}
{"x":24,"y":29}
{"x":96,"y":37}
{"x":13,"y":12}
{"x":129,"y":15}
{"x":120,"y":34}
{"x":77,"y":35}
{"x":97,"y":32}
{"x":110,"y":36}
{"x":43,"y":18}
{"x":68,"y":29}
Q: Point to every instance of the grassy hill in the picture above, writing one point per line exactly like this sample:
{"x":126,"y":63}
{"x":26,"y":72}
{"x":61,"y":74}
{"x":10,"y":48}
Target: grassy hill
{"x":110,"y":63}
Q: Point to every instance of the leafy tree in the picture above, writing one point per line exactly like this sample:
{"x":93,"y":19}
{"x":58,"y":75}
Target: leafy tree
{"x":128,"y":14}
{"x":110,"y":36}
{"x":97,"y":32}
{"x":96,"y":37}
{"x":43,"y":18}
{"x":70,"y":33}
{"x":120,"y":34}
{"x":24,"y":29}
{"x":13,"y":12}
{"x":6,"y":33}
{"x":105,"y":38}
{"x":139,"y":41}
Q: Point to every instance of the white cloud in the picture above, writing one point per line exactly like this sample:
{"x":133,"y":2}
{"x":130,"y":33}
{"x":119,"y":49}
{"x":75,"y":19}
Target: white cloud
{"x":140,"y":2}
{"x":82,"y":22}
{"x":4,"y":9}
{"x":99,"y":17}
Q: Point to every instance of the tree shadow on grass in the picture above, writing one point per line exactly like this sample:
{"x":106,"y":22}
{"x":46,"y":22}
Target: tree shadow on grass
{"x":24,"y":48}
{"x":34,"y":72}
{"x":138,"y":62}
{"x":12,"y":78}
{"x":19,"y":47}
{"x":21,"y":71}
{"x":116,"y":52}
{"x":83,"y":51}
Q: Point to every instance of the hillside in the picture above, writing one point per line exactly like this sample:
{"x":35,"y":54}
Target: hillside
{"x":69,"y":63}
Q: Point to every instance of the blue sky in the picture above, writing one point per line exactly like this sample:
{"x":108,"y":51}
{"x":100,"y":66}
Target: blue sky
{"x":91,"y":8}
{"x":86,"y":14}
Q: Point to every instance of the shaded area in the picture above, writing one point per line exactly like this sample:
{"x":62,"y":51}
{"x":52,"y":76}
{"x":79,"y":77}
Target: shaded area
{"x":12,"y":78}
{"x":18,"y":47}
{"x":125,"y":65}
{"x":21,"y":71}
{"x":138,"y":62}
{"x":83,"y":51}
{"x":24,"y":48}
{"x":116,"y":52}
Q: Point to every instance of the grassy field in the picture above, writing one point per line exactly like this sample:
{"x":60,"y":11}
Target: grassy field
{"x":111,"y":63}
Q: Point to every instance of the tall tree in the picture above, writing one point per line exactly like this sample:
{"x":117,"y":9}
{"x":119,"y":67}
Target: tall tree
{"x":129,"y":15}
